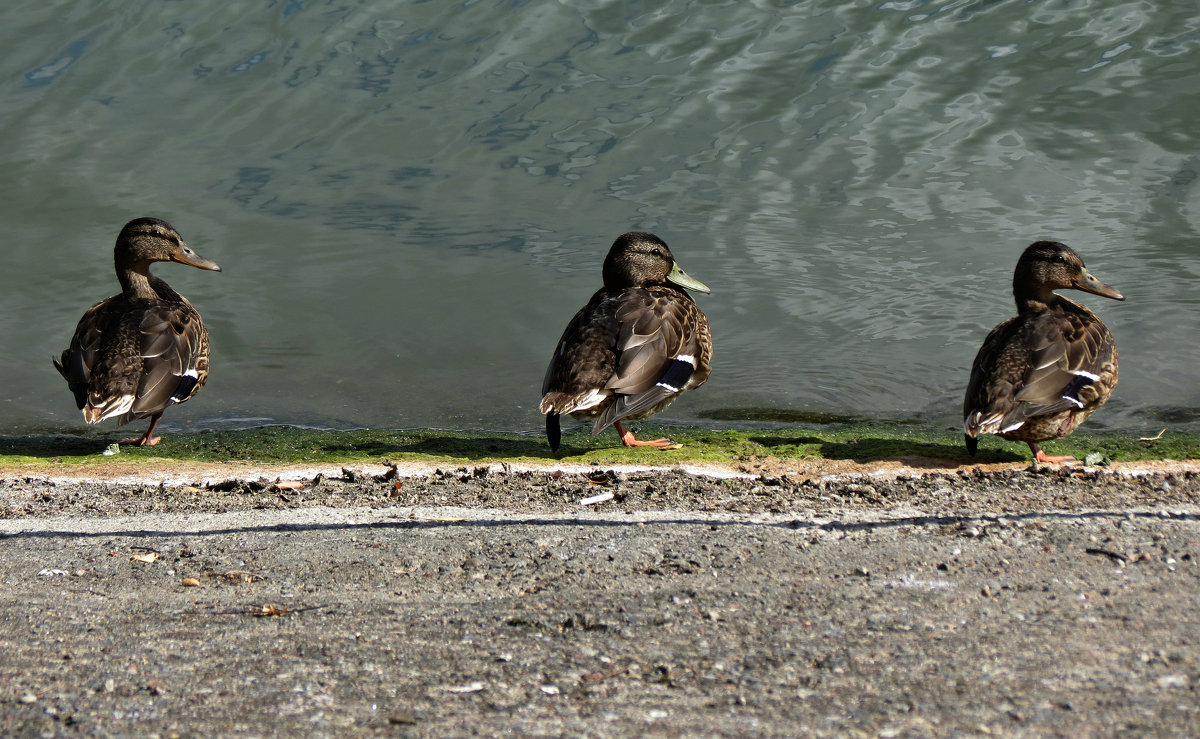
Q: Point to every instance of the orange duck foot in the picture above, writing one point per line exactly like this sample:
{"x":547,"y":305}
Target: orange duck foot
{"x":628,"y":439}
{"x":1044,"y":458}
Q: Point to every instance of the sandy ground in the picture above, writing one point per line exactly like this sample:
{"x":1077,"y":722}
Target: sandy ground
{"x":898,"y":599}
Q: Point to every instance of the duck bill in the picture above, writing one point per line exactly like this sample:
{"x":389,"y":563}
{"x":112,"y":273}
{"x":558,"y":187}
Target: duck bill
{"x":681,"y":278}
{"x":1089,"y":284}
{"x":185,"y":255}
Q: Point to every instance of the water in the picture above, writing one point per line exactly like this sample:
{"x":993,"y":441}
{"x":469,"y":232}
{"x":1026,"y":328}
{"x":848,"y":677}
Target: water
{"x":410,"y":199}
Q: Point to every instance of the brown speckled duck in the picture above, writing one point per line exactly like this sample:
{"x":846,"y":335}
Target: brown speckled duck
{"x":1040,"y":374}
{"x":145,"y":349}
{"x":638,"y":344}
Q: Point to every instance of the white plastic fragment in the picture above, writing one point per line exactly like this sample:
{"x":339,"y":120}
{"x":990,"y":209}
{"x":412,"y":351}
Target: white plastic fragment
{"x":598,"y":498}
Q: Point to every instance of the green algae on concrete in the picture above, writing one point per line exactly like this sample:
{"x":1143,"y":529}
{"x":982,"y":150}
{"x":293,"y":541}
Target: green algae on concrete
{"x":859,"y":442}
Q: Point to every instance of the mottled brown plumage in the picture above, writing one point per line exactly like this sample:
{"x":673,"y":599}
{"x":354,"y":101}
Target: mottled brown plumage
{"x":638,"y":344}
{"x":1040,"y":374}
{"x":138,"y":352}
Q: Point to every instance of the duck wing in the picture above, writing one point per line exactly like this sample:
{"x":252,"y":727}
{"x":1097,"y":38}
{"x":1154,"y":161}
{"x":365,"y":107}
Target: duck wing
{"x":584,"y":359}
{"x":77,"y":361}
{"x":133,"y":358}
{"x":1068,"y":365}
{"x":1037,"y":366}
{"x":663,"y":348}
{"x":173,"y":345}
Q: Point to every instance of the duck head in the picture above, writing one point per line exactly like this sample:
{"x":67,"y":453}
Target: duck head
{"x":1046,"y":266}
{"x":146,"y":240}
{"x":639,"y":259}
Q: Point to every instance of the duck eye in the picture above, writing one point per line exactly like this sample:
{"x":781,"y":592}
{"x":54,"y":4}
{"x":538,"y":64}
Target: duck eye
{"x":656,"y":251}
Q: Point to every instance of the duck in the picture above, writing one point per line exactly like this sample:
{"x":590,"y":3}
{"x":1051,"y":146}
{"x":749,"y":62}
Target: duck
{"x":638,"y":344}
{"x":1040,"y":374}
{"x":136,"y":353}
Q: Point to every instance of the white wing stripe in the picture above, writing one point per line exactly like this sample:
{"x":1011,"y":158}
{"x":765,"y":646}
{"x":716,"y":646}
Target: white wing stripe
{"x":1073,"y":400}
{"x":593,"y":398}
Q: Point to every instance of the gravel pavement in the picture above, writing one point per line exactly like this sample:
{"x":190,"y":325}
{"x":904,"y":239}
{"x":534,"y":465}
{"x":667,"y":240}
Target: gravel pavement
{"x":489,"y":601}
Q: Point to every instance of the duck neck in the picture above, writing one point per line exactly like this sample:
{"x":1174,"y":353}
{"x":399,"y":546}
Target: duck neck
{"x":135,"y":281}
{"x":1035,"y":301}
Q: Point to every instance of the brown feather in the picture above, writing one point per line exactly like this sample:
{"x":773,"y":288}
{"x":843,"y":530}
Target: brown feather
{"x":1042,"y":373}
{"x":137,"y":353}
{"x":615,"y":351}
{"x":135,"y":347}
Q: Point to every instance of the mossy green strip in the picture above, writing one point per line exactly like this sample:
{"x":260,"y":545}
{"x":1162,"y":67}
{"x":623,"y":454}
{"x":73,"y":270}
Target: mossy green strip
{"x":860,"y":442}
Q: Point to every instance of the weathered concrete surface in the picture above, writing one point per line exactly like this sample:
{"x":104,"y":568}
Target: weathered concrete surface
{"x":489,"y":602}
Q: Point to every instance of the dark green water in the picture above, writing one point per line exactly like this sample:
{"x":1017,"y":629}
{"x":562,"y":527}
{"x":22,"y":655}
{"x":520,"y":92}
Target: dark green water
{"x":411,"y":199}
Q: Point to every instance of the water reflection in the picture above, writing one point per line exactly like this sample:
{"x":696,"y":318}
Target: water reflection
{"x":410,"y":199}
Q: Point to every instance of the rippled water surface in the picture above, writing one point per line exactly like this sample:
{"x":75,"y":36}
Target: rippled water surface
{"x":410,"y":199}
